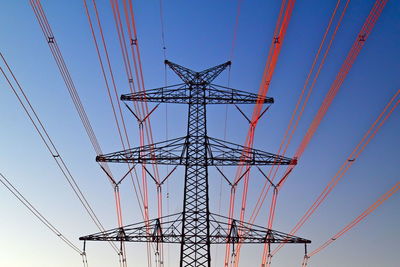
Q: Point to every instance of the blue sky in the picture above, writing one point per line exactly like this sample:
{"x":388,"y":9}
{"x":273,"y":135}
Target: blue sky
{"x":199,"y":35}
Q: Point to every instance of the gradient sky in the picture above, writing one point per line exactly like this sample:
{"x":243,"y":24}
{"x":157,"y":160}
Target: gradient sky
{"x":199,"y":35}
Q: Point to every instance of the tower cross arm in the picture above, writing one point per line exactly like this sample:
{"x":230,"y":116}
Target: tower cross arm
{"x":180,"y":94}
{"x":173,"y":152}
{"x":167,"y":229}
{"x":167,"y":153}
{"x":236,"y":231}
{"x":193,"y":77}
{"x":217,"y":94}
{"x":210,"y":74}
{"x":223,"y":153}
{"x":184,"y":73}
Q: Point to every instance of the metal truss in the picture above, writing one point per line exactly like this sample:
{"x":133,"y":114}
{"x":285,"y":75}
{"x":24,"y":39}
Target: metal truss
{"x":168,"y":230}
{"x":195,"y":229}
{"x":167,"y":153}
{"x":180,"y":94}
{"x":192,"y":77}
{"x":173,"y":152}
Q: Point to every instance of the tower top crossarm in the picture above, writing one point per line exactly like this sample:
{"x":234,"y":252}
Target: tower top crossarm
{"x":181,"y":93}
{"x":204,"y":77}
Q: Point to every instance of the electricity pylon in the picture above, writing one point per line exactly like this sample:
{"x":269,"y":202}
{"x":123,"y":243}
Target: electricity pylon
{"x":196,"y":228}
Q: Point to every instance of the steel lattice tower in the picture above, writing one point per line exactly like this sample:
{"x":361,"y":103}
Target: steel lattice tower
{"x":196,"y":210}
{"x":196,"y":228}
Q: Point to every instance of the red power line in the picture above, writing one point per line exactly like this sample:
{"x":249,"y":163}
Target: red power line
{"x":231,"y":55}
{"x":128,"y":70}
{"x":115,"y":186}
{"x":235,"y":29}
{"x":351,"y":57}
{"x":110,"y":97}
{"x":295,"y":118}
{"x":369,"y":135}
{"x":141,"y":109}
{"x":292,"y":128}
{"x":358,"y":219}
{"x":344,"y":70}
{"x":110,"y":72}
{"x":275,"y":48}
{"x":272,"y":58}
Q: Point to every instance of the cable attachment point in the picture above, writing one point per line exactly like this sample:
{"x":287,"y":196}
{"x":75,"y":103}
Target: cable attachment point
{"x":269,"y":259}
{"x":141,"y":121}
{"x":306,"y":257}
{"x":133,"y":41}
{"x":305,"y":261}
{"x":252,"y":122}
{"x":361,"y":37}
{"x":83,"y":254}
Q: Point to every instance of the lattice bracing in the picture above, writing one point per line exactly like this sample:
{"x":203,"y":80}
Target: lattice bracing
{"x":195,"y":229}
{"x":180,"y":94}
{"x":167,"y":152}
{"x":174,"y":152}
{"x":168,"y":230}
{"x":199,"y":78}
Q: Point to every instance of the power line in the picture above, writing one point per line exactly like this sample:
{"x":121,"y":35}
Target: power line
{"x":231,"y":55}
{"x":351,"y":159}
{"x":235,"y":30}
{"x":250,"y":138}
{"x":37,"y":214}
{"x":352,"y":55}
{"x":292,"y":126}
{"x":162,"y":22}
{"x":273,"y":54}
{"x":296,"y":115}
{"x":358,"y":219}
{"x":55,"y":50}
{"x":164,"y":49}
{"x":344,"y":70}
{"x":141,"y":109}
{"x":48,"y":142}
{"x":127,"y":65}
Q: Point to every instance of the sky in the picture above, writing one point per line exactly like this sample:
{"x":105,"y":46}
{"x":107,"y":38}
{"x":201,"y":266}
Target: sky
{"x":199,"y":35}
